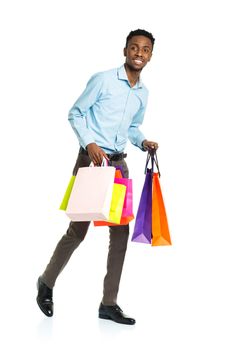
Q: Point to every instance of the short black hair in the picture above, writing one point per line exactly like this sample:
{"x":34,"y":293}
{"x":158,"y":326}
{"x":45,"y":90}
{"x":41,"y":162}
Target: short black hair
{"x":140,"y":32}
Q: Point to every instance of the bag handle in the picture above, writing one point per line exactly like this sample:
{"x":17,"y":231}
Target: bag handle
{"x":104,"y":163}
{"x":154,"y":160}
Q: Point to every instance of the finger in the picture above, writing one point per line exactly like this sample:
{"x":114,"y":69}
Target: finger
{"x":91,"y":156}
{"x":95,"y":159}
{"x":105,"y":156}
{"x":154,"y":145}
{"x":100,"y":158}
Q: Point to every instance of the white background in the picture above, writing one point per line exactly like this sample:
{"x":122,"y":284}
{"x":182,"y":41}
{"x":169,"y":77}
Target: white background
{"x":49,"y":49}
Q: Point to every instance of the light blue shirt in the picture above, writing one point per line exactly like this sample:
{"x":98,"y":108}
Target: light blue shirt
{"x":110,"y":111}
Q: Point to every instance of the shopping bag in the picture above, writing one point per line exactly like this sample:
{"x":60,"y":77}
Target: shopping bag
{"x":118,"y":174}
{"x":143,"y":221}
{"x":118,"y":198}
{"x":154,"y":220}
{"x":67,"y":194}
{"x":91,"y":194}
{"x":128,"y":202}
{"x":124,"y":221}
{"x":127,"y":212}
{"x":160,"y":229}
{"x":119,"y":170}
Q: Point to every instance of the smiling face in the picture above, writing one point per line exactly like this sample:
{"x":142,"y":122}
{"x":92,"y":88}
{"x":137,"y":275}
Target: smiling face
{"x":138,"y":52}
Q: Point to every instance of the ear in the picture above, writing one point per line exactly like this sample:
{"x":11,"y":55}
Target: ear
{"x":124,"y":51}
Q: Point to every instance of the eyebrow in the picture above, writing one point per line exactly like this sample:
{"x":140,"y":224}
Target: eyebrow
{"x":132,"y":43}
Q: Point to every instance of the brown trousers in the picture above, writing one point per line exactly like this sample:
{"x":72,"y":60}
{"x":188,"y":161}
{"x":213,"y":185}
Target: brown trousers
{"x":74,"y":236}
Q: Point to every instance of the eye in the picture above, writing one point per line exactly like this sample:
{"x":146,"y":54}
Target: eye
{"x":133,"y":47}
{"x":147,"y":50}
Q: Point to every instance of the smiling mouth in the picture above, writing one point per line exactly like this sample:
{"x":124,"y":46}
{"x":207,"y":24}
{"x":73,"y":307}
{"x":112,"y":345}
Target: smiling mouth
{"x":137,"y":61}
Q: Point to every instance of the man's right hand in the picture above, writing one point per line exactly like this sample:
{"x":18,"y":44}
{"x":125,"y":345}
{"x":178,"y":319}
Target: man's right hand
{"x":96,"y":154}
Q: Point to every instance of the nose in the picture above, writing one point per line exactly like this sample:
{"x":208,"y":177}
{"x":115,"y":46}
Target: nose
{"x":139,"y":52}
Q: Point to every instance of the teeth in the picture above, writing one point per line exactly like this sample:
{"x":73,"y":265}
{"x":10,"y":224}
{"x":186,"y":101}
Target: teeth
{"x":138,"y":61}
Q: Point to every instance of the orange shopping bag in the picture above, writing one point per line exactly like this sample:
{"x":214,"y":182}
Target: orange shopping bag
{"x":160,"y":229}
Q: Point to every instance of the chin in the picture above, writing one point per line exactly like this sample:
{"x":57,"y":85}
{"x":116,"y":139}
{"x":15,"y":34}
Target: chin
{"x":134,"y":67}
{"x":138,"y":69}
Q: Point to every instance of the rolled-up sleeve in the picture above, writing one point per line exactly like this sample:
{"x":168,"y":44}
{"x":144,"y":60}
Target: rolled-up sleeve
{"x":78,"y":113}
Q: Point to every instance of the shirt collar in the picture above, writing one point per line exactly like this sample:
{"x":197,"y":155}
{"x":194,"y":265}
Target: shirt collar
{"x":122,"y":75}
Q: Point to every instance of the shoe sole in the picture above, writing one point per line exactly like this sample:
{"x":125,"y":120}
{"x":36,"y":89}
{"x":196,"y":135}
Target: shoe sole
{"x":105,"y":317}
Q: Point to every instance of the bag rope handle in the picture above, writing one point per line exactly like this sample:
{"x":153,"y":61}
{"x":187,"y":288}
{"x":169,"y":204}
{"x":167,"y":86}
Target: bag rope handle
{"x":154,"y":160}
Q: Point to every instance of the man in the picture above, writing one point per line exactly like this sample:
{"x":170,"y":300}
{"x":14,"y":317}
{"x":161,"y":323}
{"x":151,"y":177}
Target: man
{"x":109,"y":111}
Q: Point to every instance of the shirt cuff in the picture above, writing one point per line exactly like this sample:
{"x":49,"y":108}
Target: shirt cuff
{"x":87,"y":140}
{"x":140,"y":141}
{"x":142,"y":147}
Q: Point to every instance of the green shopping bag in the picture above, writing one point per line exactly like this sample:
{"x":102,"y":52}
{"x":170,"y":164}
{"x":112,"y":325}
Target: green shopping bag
{"x":67,"y":194}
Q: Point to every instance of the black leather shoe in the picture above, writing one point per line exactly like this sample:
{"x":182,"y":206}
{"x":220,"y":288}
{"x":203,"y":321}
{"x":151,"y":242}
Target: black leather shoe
{"x":44,"y":298}
{"x":115,"y":314}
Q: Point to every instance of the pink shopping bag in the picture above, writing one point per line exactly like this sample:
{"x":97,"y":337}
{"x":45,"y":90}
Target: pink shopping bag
{"x":91,"y":194}
{"x":128,"y":202}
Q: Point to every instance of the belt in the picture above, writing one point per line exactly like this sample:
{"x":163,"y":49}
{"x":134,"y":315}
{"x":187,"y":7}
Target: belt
{"x":112,"y":156}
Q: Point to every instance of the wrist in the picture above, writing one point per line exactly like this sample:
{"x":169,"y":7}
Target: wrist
{"x":143,"y":145}
{"x":90,"y":145}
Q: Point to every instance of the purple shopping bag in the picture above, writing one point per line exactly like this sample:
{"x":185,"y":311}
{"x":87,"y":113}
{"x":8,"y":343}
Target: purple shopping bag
{"x":143,"y":224}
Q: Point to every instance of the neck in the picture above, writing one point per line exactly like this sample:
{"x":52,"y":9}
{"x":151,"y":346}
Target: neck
{"x":133,"y":75}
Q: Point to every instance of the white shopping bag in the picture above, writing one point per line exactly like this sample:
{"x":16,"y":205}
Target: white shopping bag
{"x":91,"y":194}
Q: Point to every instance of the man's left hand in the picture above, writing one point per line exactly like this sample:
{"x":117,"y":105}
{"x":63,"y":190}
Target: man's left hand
{"x":150,"y":145}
